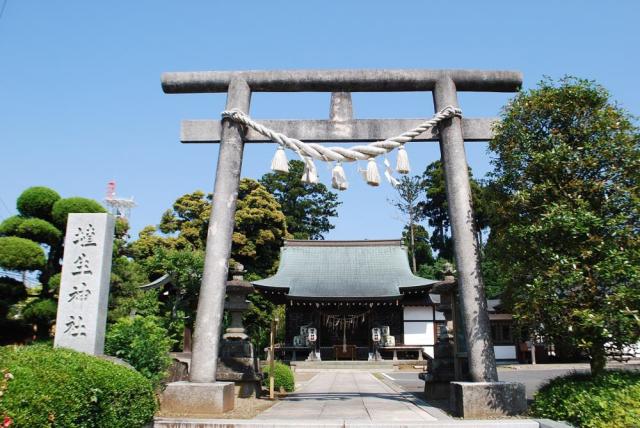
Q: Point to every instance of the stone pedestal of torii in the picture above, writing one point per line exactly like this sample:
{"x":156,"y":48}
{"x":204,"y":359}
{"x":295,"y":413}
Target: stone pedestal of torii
{"x":342,"y":127}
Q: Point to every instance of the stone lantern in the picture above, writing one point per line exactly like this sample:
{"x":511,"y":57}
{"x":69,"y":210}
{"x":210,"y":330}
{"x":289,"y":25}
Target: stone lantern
{"x":237,"y":362}
{"x":237,"y":291}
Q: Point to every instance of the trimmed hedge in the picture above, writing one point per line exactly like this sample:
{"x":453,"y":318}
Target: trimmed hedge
{"x":37,"y":202}
{"x":46,"y":387}
{"x":282,"y":377}
{"x":62,"y":208}
{"x":40,"y":311}
{"x":21,"y":254}
{"x":611,"y":399}
{"x":38,"y":230}
{"x":10,"y":225}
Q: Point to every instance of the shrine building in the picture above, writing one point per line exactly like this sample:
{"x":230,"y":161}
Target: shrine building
{"x":344,"y":289}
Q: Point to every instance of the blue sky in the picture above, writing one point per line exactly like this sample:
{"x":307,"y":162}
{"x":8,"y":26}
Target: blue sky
{"x":81,"y":103}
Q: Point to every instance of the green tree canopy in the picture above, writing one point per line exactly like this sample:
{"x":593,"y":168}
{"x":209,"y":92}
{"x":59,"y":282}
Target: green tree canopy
{"x":435,"y":208}
{"x":260,"y":228}
{"x":37,"y":202}
{"x":21,"y":254}
{"x":421,"y":247}
{"x":567,"y":170}
{"x":63,"y":207}
{"x":189,"y":217}
{"x":308,"y":207}
{"x":186,"y":268}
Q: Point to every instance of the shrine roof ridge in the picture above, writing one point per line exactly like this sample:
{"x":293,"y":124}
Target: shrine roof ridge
{"x":343,"y":243}
{"x":343,"y":269}
{"x":363,"y":80}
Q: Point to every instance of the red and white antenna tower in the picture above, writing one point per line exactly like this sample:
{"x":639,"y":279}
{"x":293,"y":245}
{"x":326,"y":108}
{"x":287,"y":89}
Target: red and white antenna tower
{"x":119,"y":207}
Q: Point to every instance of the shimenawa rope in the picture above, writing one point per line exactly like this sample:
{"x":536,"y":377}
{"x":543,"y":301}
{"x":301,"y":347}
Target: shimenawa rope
{"x":310,"y":151}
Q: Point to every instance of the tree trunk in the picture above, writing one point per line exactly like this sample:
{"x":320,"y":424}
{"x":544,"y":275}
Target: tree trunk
{"x":413,"y":244}
{"x":598,"y":358}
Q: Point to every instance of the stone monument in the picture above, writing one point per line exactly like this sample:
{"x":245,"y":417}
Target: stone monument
{"x":84,"y":287}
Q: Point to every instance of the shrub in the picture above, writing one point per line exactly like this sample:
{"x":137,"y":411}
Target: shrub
{"x":48,"y":387}
{"x":21,"y":254}
{"x":62,"y":208}
{"x":11,"y":225}
{"x":54,"y":283}
{"x":611,"y":399}
{"x":37,"y":202}
{"x":282,"y":377}
{"x":11,"y":290}
{"x":42,"y":313}
{"x":38,"y":230}
{"x":143,"y":343}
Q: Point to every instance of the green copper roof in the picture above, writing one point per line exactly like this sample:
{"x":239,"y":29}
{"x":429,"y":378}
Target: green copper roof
{"x":347,"y":269}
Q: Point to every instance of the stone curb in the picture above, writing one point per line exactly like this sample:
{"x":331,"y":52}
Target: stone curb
{"x":342,"y":423}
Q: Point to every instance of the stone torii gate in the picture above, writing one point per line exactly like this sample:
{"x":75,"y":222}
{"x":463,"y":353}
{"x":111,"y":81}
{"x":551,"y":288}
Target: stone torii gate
{"x":341,"y":127}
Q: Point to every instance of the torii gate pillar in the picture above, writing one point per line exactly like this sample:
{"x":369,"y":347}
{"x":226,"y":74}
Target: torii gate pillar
{"x":202,"y":390}
{"x":473,"y":302}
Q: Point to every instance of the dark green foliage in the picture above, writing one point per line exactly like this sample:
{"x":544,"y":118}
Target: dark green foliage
{"x":434,"y":270}
{"x":567,"y":215}
{"x":11,"y":290}
{"x":62,"y":388}
{"x":125,"y":296}
{"x":260,"y":229}
{"x":435,"y":208}
{"x":186,"y":267}
{"x":11,"y":225}
{"x":611,"y":399}
{"x":62,"y":208}
{"x":20,"y":254}
{"x":54,"y":283}
{"x":307,"y":207}
{"x":37,"y":202}
{"x":282,"y":377}
{"x":42,"y":313}
{"x":38,"y":230}
{"x":143,"y":343}
{"x":422,"y":251}
{"x":257,"y":321}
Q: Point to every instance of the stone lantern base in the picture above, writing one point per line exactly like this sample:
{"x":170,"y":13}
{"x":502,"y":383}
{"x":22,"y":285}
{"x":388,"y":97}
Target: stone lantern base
{"x":238,"y":364}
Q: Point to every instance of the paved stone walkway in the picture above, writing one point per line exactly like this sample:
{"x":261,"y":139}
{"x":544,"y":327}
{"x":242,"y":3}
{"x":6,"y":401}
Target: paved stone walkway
{"x":348,"y":396}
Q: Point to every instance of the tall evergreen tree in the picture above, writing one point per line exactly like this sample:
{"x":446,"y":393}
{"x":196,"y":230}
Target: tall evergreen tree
{"x":409,"y":194}
{"x":567,"y":218}
{"x":308,"y":207}
{"x":435,"y":208}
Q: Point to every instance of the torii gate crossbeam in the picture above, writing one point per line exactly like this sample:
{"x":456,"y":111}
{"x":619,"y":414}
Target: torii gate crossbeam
{"x":444,"y":84}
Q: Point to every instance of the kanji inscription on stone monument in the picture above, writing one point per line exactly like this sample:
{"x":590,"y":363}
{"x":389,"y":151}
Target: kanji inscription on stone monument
{"x":84,"y":288}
